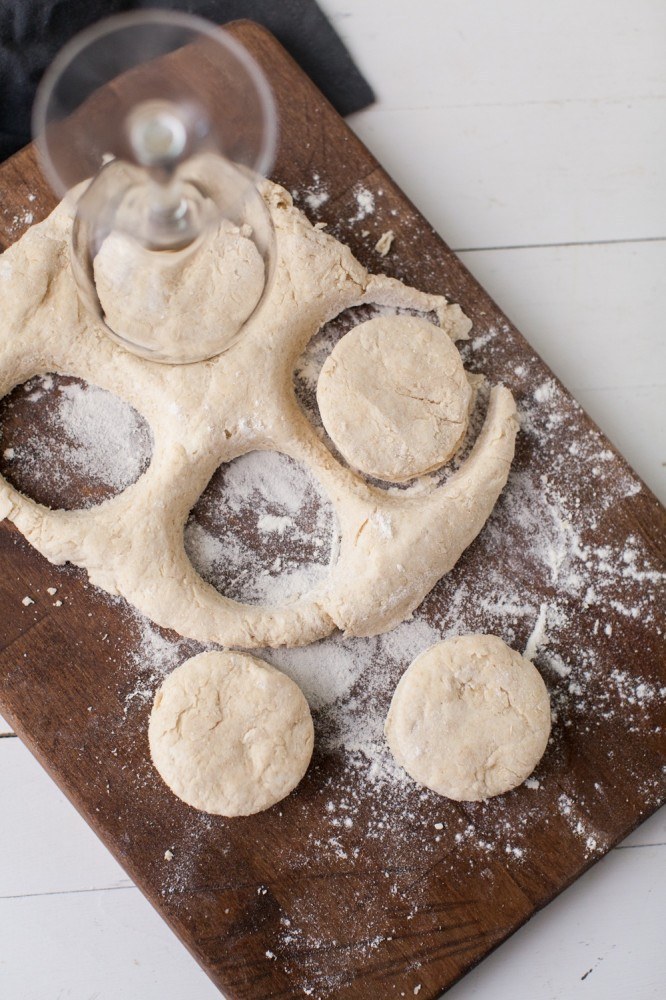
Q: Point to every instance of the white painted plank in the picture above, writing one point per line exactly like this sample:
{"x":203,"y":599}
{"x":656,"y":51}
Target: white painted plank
{"x":602,"y":939}
{"x":528,"y":174}
{"x":108,"y":945}
{"x":436,"y":53}
{"x":4,"y":726}
{"x":595,"y":314}
{"x":525,"y":122}
{"x":45,"y":846}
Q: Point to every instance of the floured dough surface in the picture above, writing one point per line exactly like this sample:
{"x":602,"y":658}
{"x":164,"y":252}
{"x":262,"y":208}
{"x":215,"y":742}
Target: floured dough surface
{"x":394,"y":397}
{"x":229,"y":734}
{"x":169,"y":301}
{"x":392,"y":549}
{"x":470,"y":718}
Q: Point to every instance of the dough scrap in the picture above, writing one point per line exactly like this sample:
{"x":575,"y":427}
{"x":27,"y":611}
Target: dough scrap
{"x":385,"y":242}
{"x":394,"y":397}
{"x":167,"y":301}
{"x":393,"y":549}
{"x":229,"y":734}
{"x":470,"y":718}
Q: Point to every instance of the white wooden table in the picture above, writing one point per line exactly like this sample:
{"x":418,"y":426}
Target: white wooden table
{"x":531,"y":134}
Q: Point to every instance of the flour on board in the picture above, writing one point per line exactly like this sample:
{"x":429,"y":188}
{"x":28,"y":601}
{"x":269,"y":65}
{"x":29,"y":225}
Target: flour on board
{"x":264,"y":531}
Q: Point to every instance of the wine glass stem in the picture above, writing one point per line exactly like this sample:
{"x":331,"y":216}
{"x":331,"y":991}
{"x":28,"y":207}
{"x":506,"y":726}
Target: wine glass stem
{"x":170,"y":214}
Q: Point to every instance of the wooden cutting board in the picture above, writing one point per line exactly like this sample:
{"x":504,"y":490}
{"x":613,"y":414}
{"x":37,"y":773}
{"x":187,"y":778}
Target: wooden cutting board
{"x":416,"y":890}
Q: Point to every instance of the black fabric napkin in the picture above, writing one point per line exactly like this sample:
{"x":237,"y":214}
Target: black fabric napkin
{"x":32,"y":31}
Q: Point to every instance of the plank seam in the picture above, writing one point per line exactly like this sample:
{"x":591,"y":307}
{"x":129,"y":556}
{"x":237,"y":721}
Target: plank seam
{"x":564,"y":243}
{"x":69,"y":892}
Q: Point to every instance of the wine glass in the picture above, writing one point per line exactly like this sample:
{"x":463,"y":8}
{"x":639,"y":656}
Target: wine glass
{"x":173,"y":247}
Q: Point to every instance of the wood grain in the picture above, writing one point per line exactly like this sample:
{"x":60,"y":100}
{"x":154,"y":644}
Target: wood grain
{"x":64,"y":685}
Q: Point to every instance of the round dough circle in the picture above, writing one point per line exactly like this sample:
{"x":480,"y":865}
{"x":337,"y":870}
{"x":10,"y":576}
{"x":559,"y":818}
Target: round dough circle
{"x":192,"y":304}
{"x":394,"y":397}
{"x":229,"y":734}
{"x":470,"y":718}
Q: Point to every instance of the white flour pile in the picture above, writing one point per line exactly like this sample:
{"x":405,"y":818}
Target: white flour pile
{"x":365,"y":203}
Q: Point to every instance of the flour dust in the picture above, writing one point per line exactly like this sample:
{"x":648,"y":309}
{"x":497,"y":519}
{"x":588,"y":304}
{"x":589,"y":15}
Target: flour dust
{"x":546,"y":575}
{"x":70,"y":444}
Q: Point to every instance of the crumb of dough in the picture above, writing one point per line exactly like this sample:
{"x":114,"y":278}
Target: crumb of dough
{"x":385,"y":242}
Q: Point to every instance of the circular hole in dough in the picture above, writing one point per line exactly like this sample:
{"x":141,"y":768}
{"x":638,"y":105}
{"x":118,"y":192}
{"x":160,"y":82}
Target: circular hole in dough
{"x":470,"y":718}
{"x":394,"y":397}
{"x":229,"y":734}
{"x":69,"y":445}
{"x":263,"y":531}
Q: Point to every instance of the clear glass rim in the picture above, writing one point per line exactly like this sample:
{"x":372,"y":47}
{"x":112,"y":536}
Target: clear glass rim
{"x":198,"y":26}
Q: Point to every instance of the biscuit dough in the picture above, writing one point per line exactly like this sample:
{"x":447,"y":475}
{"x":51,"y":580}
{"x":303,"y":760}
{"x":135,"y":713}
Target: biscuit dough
{"x":470,"y":718}
{"x":393,"y":548}
{"x":394,"y":397}
{"x":229,"y":734}
{"x":201,"y":298}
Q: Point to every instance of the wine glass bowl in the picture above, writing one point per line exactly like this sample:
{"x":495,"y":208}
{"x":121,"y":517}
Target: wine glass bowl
{"x":175,"y":123}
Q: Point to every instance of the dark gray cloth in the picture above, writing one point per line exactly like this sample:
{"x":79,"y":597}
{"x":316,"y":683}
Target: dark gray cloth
{"x":32,"y":31}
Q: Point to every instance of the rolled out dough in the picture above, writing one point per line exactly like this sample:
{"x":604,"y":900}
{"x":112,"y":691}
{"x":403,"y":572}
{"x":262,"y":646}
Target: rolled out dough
{"x":393,"y":549}
{"x":394,"y":397}
{"x":230,"y":734}
{"x":470,"y":718}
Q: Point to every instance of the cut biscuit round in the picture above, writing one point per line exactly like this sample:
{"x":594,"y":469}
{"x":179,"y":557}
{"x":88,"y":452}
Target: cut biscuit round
{"x":470,"y":718}
{"x":394,"y":397}
{"x":229,"y":734}
{"x":179,"y":305}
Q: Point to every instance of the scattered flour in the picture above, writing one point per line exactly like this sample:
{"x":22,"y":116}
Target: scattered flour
{"x":21,"y":221}
{"x":314,"y":196}
{"x":546,"y":575}
{"x":264,"y":531}
{"x":105,"y":432}
{"x":317,"y":195}
{"x":88,"y":434}
{"x":538,"y":636}
{"x":365,"y":203}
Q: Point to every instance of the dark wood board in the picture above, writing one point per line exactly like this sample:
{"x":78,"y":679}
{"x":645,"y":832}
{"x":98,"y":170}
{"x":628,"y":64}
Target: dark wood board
{"x":362,"y":932}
